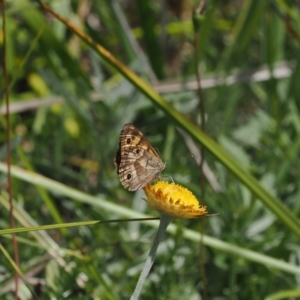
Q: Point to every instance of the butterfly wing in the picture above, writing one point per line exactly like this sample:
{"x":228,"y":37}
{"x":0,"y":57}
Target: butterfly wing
{"x":137,"y":162}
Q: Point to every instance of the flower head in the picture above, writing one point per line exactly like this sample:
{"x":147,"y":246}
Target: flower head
{"x":174,"y":200}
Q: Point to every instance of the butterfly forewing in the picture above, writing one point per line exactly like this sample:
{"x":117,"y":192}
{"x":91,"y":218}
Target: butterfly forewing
{"x":137,"y":162}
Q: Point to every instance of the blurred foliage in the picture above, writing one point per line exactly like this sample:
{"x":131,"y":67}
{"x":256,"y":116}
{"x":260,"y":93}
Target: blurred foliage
{"x":69,"y":105}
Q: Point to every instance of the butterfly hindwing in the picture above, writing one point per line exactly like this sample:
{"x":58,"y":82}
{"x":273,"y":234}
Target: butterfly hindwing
{"x":137,"y":162}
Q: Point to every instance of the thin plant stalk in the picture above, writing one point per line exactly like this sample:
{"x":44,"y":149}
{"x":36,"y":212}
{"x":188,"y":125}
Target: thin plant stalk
{"x":163,"y":224}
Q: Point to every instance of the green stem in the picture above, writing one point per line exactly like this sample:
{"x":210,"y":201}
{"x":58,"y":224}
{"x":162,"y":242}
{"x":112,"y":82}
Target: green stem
{"x":163,"y":224}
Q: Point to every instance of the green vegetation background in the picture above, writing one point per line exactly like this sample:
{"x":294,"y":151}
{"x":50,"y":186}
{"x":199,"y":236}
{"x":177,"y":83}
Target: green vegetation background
{"x":68,"y":105}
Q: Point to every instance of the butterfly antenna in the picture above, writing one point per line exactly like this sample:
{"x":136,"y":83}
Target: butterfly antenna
{"x":184,"y":155}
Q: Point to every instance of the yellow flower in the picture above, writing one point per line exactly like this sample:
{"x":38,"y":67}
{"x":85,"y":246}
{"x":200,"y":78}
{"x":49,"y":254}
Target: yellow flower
{"x":174,"y":200}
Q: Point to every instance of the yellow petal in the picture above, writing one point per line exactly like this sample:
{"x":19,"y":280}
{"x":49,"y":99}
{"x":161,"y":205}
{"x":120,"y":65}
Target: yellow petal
{"x":174,"y":200}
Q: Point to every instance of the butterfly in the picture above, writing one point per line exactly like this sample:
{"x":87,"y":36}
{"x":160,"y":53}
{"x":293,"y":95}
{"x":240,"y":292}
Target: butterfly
{"x":137,"y":162}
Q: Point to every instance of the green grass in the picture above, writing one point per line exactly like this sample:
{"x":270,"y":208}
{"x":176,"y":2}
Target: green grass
{"x":103,"y":73}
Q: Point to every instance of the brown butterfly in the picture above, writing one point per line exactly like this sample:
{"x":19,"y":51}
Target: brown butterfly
{"x":137,"y":162}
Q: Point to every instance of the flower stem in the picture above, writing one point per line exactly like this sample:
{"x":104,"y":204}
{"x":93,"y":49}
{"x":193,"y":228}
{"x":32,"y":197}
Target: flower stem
{"x":163,"y":224}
